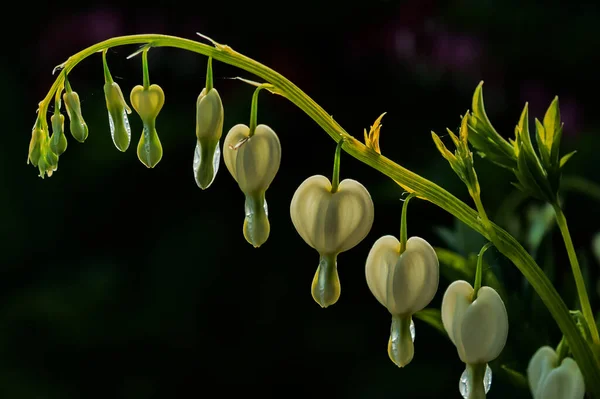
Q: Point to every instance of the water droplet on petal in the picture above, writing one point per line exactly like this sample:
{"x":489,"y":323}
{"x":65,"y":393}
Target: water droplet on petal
{"x":111,"y":124}
{"x":463,"y":384}
{"x":217,"y":159}
{"x":412,"y":330}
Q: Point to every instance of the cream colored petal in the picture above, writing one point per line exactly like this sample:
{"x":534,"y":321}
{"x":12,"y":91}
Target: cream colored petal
{"x":354,"y":216}
{"x":454,"y":305}
{"x":309,"y":204}
{"x":258,"y":160}
{"x":382,"y":258}
{"x":331,"y":223}
{"x":414,"y":279}
{"x":564,"y":382}
{"x":485,"y":327}
{"x":540,"y":365}
{"x":235,"y":134}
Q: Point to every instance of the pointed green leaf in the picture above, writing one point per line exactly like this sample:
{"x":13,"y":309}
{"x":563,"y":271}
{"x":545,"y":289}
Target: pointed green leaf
{"x":442,"y":148}
{"x":551,"y":123}
{"x":544,"y":151}
{"x":566,"y":158}
{"x":516,"y":378}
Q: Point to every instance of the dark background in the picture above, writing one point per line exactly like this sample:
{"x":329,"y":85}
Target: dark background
{"x":125,"y":282}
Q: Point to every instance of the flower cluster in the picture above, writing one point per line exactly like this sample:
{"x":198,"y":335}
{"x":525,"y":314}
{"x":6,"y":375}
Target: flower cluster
{"x":334,"y":216}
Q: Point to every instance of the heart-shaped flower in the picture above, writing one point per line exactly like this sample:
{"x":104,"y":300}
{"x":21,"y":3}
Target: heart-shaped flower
{"x":404,"y":283}
{"x":331,"y":223}
{"x":253,"y":161}
{"x":478,"y":327}
{"x":549,"y":380}
{"x":147,"y":102}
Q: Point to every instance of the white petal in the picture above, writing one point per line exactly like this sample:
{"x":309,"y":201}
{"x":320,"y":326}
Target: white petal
{"x":564,"y":382}
{"x":454,"y":305}
{"x":414,"y":279}
{"x":255,"y":163}
{"x":382,"y":258}
{"x":542,"y":362}
{"x":332,"y":223}
{"x":484,"y":327}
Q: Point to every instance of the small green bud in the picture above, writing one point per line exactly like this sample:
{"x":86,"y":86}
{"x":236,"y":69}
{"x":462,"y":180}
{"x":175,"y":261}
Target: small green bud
{"x":118,"y":109}
{"x":35,"y":144}
{"x":58,"y":140}
{"x":77,"y":125}
{"x":209,"y":128}
{"x":148,"y":102}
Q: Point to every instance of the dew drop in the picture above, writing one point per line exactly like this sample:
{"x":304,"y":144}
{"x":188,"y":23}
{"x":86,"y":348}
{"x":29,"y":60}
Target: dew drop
{"x":463,"y":384}
{"x":412,"y":330}
{"x":111,"y":124}
{"x":216,"y":159}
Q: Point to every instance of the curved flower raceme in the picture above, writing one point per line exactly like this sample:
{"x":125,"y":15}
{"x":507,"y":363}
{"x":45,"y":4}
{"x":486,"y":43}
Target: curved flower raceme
{"x":478,"y":327}
{"x":404,"y":283}
{"x":550,"y":380}
{"x":253,"y":161}
{"x":209,"y":128}
{"x":331,"y":223}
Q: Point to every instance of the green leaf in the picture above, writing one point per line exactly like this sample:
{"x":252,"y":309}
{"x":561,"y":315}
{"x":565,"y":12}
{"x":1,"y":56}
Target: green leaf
{"x":565,"y":158}
{"x":552,"y":124}
{"x":516,"y":378}
{"x":485,"y":138}
{"x":454,"y":266}
{"x":442,"y":148}
{"x":433,"y":317}
{"x":541,"y":220}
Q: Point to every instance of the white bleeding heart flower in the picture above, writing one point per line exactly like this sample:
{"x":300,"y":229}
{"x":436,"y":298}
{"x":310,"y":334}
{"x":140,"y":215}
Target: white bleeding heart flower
{"x":550,"y":380}
{"x":404,"y":283}
{"x":331,"y":223}
{"x":253,"y":161}
{"x":478,"y":327}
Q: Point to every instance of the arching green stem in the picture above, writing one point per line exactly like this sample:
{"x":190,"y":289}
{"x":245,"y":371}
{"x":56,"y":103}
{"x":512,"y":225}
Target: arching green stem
{"x":335,"y":179}
{"x":479,"y":270}
{"x":410,"y":181}
{"x":403,"y":228}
